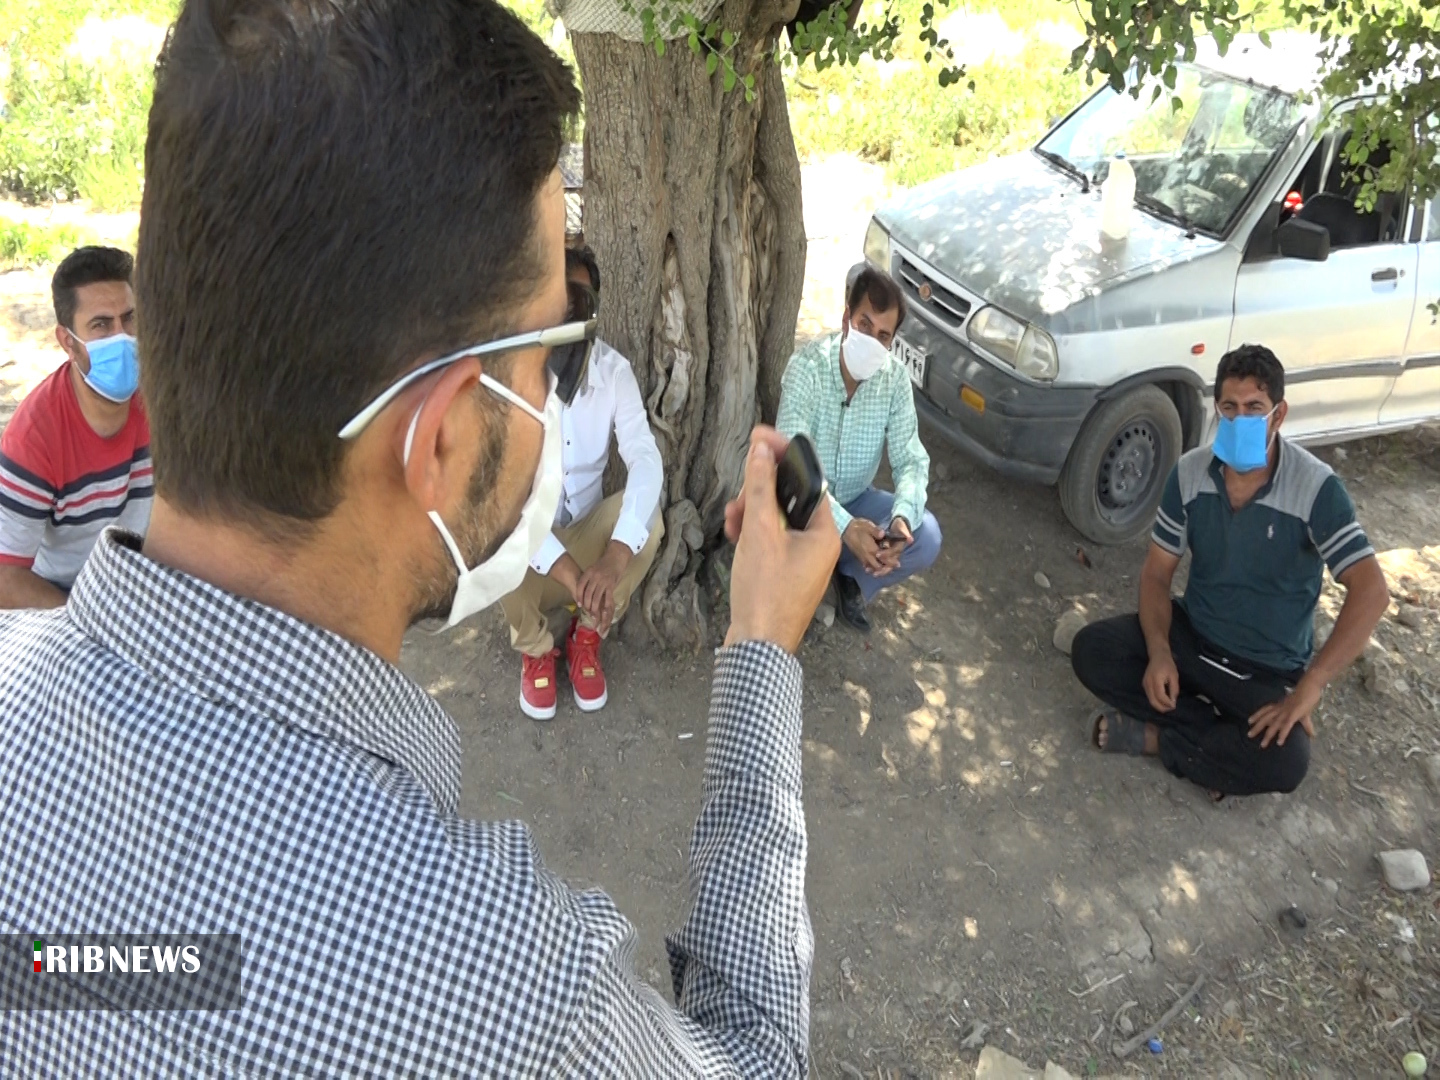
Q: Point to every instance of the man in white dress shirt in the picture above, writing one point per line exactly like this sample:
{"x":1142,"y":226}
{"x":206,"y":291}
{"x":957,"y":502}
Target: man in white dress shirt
{"x":599,"y":549}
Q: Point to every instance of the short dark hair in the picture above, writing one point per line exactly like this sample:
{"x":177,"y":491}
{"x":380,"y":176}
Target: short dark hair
{"x":576,"y":257}
{"x":1252,"y":362}
{"x":86,"y":266}
{"x":334,"y":189}
{"x":880,"y":289}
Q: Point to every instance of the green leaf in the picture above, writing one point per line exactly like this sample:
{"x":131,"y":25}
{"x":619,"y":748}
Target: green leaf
{"x":728,"y":79}
{"x":712,"y":61}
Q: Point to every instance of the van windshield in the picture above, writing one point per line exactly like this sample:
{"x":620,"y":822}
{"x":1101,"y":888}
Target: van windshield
{"x":1194,"y":165}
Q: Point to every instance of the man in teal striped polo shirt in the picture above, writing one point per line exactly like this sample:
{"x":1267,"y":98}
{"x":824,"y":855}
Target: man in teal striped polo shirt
{"x":1220,"y":683}
{"x":854,"y":400}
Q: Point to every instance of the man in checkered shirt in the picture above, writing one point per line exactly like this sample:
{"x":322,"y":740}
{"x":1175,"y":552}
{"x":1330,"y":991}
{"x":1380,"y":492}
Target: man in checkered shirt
{"x":347,"y":204}
{"x":854,"y":401}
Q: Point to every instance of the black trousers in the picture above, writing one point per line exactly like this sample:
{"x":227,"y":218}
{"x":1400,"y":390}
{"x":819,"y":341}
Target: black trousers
{"x":1206,"y":737}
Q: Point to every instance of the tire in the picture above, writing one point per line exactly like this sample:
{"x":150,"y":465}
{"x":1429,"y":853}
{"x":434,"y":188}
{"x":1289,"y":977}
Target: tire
{"x":1116,"y":471}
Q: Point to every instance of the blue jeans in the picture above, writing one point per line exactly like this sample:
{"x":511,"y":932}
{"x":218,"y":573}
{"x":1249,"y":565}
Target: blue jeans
{"x":875,"y":505}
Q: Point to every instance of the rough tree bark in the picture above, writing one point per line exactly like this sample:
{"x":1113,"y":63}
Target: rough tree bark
{"x":692,"y":205}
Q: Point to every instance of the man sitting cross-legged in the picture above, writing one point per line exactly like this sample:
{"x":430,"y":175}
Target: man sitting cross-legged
{"x":1220,"y":683}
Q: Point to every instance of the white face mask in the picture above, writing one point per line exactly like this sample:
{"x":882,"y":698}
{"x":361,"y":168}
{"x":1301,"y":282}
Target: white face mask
{"x":863,"y":355}
{"x":501,"y":574}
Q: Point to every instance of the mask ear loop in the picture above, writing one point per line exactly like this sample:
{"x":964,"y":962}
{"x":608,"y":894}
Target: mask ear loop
{"x":434,"y":516}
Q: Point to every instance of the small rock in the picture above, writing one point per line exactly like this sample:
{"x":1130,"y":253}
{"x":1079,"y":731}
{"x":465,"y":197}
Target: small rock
{"x":1070,"y":624}
{"x":942,"y":470}
{"x":1405,"y":956}
{"x":1330,"y":885}
{"x":989,"y":957}
{"x":1378,"y":674}
{"x":1413,"y":617}
{"x":1405,"y":870}
{"x":1127,"y":1026}
{"x":1404,"y":928}
{"x":1294,"y":918}
{"x":975,"y":1038}
{"x":1340,"y":453}
{"x":825,"y":615}
{"x":1231,"y":1008}
{"x":1431,"y":765}
{"x":1041,"y":579}
{"x":1400,"y":688}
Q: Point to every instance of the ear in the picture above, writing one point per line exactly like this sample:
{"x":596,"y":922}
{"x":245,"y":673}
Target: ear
{"x":1280,"y":412}
{"x":845,"y":323}
{"x":444,"y":435}
{"x":63,"y":339}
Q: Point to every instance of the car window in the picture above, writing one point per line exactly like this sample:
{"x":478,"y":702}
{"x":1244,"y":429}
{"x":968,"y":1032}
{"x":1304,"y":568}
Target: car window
{"x":1432,"y":226}
{"x":1325,"y":191}
{"x":1195,"y":165}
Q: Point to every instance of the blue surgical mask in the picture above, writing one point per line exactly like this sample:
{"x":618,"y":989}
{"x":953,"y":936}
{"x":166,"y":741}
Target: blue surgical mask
{"x":114,"y":369}
{"x":1243,"y":442}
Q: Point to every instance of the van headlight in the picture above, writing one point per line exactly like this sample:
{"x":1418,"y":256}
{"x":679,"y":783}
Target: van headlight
{"x":1028,"y":349}
{"x":877,"y":246}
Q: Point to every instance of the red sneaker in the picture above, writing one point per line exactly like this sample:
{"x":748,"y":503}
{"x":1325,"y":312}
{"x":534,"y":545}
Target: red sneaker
{"x":587,"y":678}
{"x":537,"y":686}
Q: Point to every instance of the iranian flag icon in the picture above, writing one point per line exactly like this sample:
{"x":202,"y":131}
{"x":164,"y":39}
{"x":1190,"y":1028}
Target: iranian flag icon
{"x":37,"y":957}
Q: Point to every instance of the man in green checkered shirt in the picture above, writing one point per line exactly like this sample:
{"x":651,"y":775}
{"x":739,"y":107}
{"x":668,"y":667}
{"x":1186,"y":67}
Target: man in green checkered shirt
{"x":853,"y":399}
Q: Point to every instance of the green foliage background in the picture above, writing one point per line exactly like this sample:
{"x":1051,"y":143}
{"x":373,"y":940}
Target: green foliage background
{"x":72,"y":129}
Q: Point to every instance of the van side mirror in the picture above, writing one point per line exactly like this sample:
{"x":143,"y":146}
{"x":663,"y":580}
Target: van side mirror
{"x":1298,"y":239}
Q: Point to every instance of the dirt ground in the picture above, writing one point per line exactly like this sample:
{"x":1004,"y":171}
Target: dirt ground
{"x":972,"y":862}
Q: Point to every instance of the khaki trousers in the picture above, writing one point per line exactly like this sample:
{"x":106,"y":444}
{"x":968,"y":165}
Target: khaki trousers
{"x":527,"y":608}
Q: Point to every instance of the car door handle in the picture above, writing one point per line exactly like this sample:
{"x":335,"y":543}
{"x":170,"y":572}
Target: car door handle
{"x":1389,"y":273}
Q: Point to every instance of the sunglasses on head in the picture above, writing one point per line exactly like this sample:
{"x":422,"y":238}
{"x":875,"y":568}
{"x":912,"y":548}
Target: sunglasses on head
{"x":569,"y":344}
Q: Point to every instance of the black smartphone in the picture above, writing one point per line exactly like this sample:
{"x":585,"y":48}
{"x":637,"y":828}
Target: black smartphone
{"x":799,"y":482}
{"x":893,"y":536}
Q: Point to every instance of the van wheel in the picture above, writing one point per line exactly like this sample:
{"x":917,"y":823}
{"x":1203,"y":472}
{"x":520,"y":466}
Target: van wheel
{"x":1112,"y":481}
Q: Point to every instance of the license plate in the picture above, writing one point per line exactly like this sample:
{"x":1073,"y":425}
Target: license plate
{"x":912,"y":358}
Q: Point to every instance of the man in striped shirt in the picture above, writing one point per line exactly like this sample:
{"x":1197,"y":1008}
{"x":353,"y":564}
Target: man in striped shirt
{"x":1220,"y":683}
{"x":76,"y":455}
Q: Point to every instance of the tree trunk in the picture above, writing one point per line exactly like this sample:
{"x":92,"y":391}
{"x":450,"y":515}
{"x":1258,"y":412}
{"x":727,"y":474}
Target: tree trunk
{"x":692,"y":205}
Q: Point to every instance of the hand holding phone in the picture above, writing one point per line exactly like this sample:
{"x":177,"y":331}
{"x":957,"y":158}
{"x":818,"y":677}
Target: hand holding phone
{"x":799,"y":482}
{"x":896,"y":535}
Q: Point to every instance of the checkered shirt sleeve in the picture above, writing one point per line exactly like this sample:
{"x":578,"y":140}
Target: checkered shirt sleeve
{"x":178,"y":759}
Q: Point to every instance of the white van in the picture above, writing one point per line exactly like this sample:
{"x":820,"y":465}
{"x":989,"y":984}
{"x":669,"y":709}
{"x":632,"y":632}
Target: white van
{"x":1056,"y":357}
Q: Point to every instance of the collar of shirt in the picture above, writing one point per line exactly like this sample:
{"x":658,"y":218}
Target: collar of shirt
{"x":598,"y":370}
{"x":1217,"y":473}
{"x":212,"y":644}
